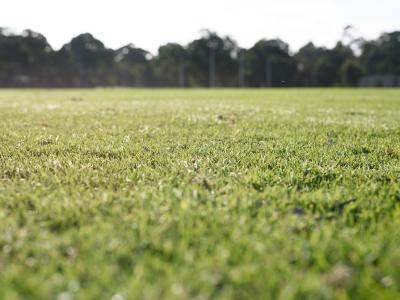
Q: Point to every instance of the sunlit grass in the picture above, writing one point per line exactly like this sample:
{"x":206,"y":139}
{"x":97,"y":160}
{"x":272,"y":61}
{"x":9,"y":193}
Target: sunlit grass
{"x":225,"y":194}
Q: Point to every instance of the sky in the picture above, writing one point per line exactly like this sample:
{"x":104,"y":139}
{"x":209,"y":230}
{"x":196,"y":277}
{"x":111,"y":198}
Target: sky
{"x":151,"y":23}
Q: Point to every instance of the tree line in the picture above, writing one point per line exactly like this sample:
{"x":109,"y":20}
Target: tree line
{"x":28,"y":60}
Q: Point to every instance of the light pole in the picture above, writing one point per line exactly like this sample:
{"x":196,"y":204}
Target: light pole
{"x":241,"y":68}
{"x":182,"y":71}
{"x":268,"y":73}
{"x":212,"y":45}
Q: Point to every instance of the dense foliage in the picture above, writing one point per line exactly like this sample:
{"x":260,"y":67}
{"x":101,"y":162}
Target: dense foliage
{"x":211,"y":60}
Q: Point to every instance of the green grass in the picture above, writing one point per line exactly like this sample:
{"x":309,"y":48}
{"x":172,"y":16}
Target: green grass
{"x":199,"y":194}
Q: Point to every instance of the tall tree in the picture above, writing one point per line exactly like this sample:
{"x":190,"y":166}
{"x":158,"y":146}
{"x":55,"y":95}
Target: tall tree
{"x":27,"y":59}
{"x":382,"y":56}
{"x":134,"y":67}
{"x":169,"y":65}
{"x":86,"y":60}
{"x":24,"y":58}
{"x":306,"y":59}
{"x":211,"y":60}
{"x":268,"y":63}
{"x":326,"y":71}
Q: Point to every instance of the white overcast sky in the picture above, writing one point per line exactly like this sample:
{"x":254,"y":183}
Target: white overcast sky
{"x":151,"y":23}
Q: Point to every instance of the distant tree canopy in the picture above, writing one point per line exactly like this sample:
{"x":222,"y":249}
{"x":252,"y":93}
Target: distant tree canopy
{"x":268,"y":63}
{"x":27,"y":60}
{"x":382,"y":56}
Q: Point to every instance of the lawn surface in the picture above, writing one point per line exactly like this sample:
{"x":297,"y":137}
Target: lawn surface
{"x":199,"y":194}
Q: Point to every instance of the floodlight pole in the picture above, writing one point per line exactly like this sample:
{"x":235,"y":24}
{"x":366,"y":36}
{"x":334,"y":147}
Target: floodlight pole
{"x":241,"y":68}
{"x":268,"y":73}
{"x":182,"y":72}
{"x":211,"y":46}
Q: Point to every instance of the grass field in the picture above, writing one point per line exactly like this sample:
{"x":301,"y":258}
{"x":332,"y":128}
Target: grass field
{"x":199,"y":194}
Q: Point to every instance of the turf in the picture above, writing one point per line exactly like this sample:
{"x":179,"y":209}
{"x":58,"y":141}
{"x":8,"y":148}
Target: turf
{"x":200,"y":194}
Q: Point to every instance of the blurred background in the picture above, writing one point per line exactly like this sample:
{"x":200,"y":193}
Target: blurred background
{"x":180,"y":43}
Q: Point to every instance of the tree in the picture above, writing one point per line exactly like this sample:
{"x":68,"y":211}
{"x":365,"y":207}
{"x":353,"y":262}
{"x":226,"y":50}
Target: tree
{"x":27,"y":59}
{"x":23,"y":58}
{"x":133,"y":66}
{"x":350,"y":72}
{"x":86,"y":61}
{"x":382,"y":56}
{"x":169,"y":65}
{"x":212,"y":53}
{"x":306,"y":59}
{"x":268,"y":63}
